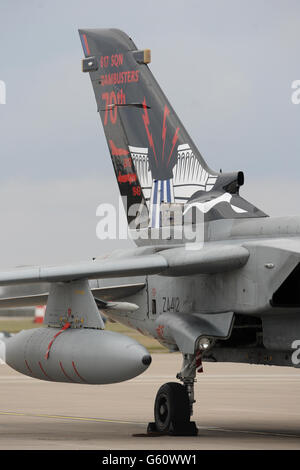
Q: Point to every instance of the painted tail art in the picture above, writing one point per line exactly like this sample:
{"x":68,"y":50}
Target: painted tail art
{"x":155,"y":160}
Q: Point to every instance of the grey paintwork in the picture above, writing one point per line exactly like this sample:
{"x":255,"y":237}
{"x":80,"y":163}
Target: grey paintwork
{"x":175,"y":262}
{"x":239,"y":286}
{"x":105,"y":293}
{"x":74,"y":347}
{"x":186,"y":329}
{"x":77,"y":355}
{"x":74,"y":303}
{"x":245,"y":289}
{"x":90,"y":270}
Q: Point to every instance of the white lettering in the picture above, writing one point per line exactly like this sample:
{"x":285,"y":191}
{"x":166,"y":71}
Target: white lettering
{"x":107,"y":227}
{"x":295,"y":358}
{"x":2,"y":92}
{"x":296,"y":94}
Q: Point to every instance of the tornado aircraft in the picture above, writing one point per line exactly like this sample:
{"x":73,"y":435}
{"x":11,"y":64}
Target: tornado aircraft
{"x":211,"y":276}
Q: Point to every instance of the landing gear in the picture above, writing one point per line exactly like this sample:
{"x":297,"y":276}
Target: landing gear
{"x":174,"y":403}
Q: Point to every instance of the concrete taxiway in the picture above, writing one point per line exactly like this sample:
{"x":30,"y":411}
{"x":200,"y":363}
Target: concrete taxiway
{"x":238,"y":407}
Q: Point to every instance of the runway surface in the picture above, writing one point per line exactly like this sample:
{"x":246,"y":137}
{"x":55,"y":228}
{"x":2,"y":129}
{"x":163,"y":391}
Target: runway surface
{"x":238,"y":407}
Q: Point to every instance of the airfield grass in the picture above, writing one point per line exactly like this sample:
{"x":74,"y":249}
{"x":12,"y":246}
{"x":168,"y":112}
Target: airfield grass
{"x":16,"y":324}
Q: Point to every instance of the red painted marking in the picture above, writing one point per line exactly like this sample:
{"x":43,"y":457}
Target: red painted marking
{"x":164,"y":129}
{"x":127,"y":162}
{"x":65,"y":327}
{"x":116,"y":60}
{"x":111,"y":103}
{"x":104,"y":61}
{"x":136,"y":191}
{"x":42,"y":369}
{"x":69,"y":378}
{"x":119,"y":78}
{"x":160,"y":331}
{"x":121,"y":98}
{"x":117,"y":152}
{"x":86,"y":44}
{"x":146,"y":124}
{"x":27,"y":365}
{"x":77,"y":373}
{"x":173,"y":143}
{"x":128,"y":178}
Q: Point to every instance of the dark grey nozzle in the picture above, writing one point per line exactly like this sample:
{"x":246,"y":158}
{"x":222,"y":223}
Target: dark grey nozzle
{"x":147,"y":360}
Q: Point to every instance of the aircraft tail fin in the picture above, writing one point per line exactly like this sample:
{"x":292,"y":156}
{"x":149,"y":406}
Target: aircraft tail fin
{"x":154,"y":158}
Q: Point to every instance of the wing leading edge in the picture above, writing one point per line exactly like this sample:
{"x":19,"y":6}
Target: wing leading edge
{"x":173,"y":262}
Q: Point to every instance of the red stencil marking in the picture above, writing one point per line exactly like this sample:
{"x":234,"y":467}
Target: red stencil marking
{"x":42,"y":369}
{"x":69,"y":378}
{"x":27,"y":365}
{"x":65,"y":327}
{"x":77,"y":373}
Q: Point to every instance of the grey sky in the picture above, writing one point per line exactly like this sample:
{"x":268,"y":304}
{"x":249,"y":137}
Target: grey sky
{"x":226,"y":66}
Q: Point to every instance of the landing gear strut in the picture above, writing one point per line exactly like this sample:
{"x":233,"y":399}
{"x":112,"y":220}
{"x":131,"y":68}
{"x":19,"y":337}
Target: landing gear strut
{"x":173,"y":406}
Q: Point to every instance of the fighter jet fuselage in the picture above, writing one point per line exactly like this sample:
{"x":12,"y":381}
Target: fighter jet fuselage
{"x":212,"y":276}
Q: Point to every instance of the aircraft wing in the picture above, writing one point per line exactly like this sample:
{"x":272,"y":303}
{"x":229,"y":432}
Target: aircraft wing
{"x":171,"y":262}
{"x":105,"y":293}
{"x":134,"y":266}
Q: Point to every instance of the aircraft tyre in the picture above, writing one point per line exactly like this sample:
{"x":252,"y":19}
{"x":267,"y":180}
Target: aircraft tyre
{"x":172,"y":411}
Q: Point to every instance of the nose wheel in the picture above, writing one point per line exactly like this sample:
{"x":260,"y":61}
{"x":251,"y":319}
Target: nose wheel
{"x":173,"y":409}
